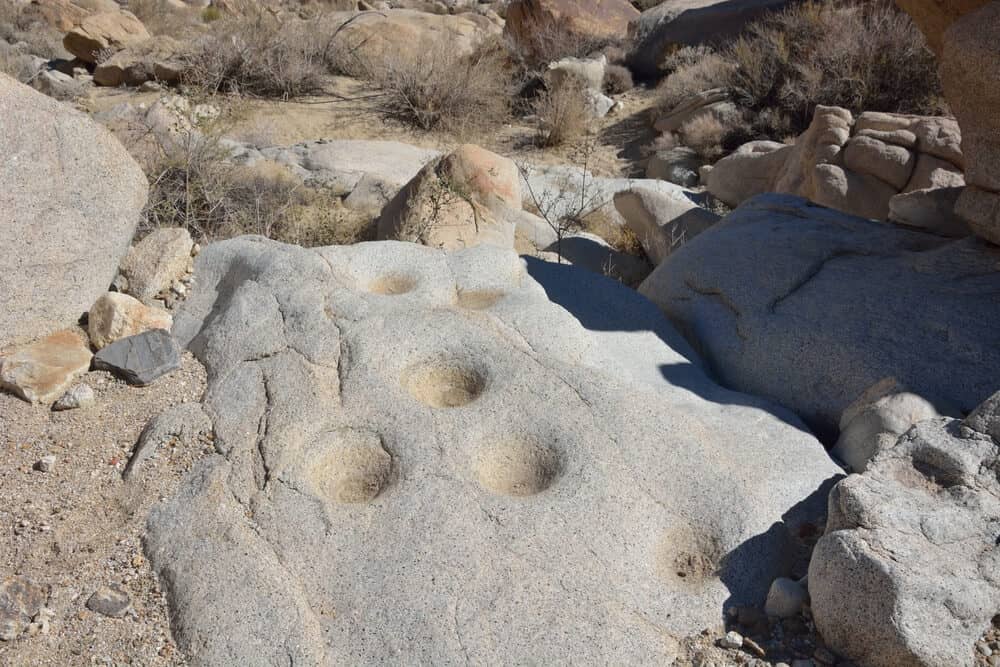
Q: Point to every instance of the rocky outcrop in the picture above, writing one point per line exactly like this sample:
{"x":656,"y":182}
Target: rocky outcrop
{"x":661,"y":29}
{"x":906,"y":573}
{"x":970,"y":68}
{"x":533,"y":23}
{"x":811,"y":307}
{"x":456,"y":201}
{"x":161,"y":59}
{"x":63,"y":15}
{"x":70,"y":200}
{"x":856,"y":167}
{"x":386,"y":414}
{"x":102,"y":32}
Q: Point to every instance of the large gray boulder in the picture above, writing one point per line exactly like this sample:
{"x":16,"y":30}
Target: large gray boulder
{"x":70,"y":200}
{"x":908,"y":572}
{"x":421,"y":458}
{"x":809,"y":307}
{"x":659,"y":30}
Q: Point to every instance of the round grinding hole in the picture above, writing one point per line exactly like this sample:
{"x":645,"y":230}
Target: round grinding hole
{"x":443,"y":383}
{"x":689,"y":556}
{"x":355,"y":469}
{"x":392,"y":285}
{"x":479,"y":299}
{"x":517,"y":467}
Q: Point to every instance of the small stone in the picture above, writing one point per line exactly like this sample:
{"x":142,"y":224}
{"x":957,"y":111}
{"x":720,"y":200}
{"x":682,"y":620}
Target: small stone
{"x":785,"y":598}
{"x":732,"y":640}
{"x":20,"y":601}
{"x":156,"y":261}
{"x":119,"y":284}
{"x":984,"y":648}
{"x":79,"y":396}
{"x":109,"y":601}
{"x":46,"y":463}
{"x":41,"y":372}
{"x":9,"y":630}
{"x":140,"y":360}
{"x":754,"y":647}
{"x":149,"y":87}
{"x":115,"y":316}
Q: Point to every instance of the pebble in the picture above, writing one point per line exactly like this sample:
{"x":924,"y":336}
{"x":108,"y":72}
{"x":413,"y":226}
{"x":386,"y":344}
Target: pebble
{"x":785,"y":598}
{"x":109,"y":601}
{"x":46,"y":463}
{"x":79,"y":396}
{"x":984,"y":648}
{"x":732,"y":640}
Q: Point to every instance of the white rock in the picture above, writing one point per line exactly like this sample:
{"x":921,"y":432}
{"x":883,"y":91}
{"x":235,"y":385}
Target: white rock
{"x":79,"y":396}
{"x":732,"y":640}
{"x":785,"y":598}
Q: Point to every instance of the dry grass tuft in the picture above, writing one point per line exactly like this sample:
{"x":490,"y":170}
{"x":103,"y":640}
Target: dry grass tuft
{"x":617,"y":80}
{"x":562,"y":113}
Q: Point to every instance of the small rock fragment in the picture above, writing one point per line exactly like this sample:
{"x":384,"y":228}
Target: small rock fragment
{"x":156,"y":261}
{"x":79,"y":396}
{"x":46,"y":463}
{"x":732,"y":640}
{"x":20,"y":601}
{"x":41,"y":371}
{"x":140,"y":360}
{"x":109,"y":601}
{"x":115,"y":316}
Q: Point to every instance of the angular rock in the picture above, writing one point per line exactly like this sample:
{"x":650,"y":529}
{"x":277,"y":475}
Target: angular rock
{"x":40,"y":372}
{"x":160,"y":59}
{"x":60,"y":238}
{"x":986,"y":418}
{"x":157,"y":261}
{"x":379,"y":406}
{"x":79,"y":396}
{"x":662,"y":222}
{"x":183,"y":423}
{"x":906,"y":573}
{"x":810,"y":307}
{"x":115,"y":316}
{"x":104,"y":31}
{"x":932,"y":172}
{"x":21,"y":600}
{"x":785,"y":598}
{"x":456,"y":202}
{"x":142,"y":359}
{"x":109,"y":601}
{"x":932,"y":210}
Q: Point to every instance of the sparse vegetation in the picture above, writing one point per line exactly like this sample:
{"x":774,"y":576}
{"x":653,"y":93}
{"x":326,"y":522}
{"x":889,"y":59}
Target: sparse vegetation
{"x":861,"y":56}
{"x":617,"y":80}
{"x":562,"y":112}
{"x":444,"y":90}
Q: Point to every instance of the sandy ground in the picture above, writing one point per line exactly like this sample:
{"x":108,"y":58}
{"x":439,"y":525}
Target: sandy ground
{"x":78,"y":527}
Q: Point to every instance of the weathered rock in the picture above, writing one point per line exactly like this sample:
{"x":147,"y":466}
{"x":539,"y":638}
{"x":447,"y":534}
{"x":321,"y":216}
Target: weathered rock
{"x":932,"y":210}
{"x":393,"y":391}
{"x":933,"y":17}
{"x":60,"y":238}
{"x":454,"y":202}
{"x":56,"y":84}
{"x":160,"y":59}
{"x":532,"y":23}
{"x":986,"y":418}
{"x":907,"y":571}
{"x":875,"y":421}
{"x":970,"y":65}
{"x":677,"y":165}
{"x":79,"y":396}
{"x":113,"y":30}
{"x":115,"y":316}
{"x":109,"y":601}
{"x":589,"y":71}
{"x":792,"y":311}
{"x":40,"y":372}
{"x":184,"y":423}
{"x":381,"y":38}
{"x":659,"y":30}
{"x":21,"y":600}
{"x":63,"y":15}
{"x":141,"y":359}
{"x":785,"y":598}
{"x":662,"y":222}
{"x":887,"y":155}
{"x":157,"y":261}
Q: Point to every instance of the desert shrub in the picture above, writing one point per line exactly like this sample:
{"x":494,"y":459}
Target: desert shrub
{"x":864,"y":56}
{"x":552,"y":41}
{"x":706,"y":135}
{"x":563,"y":116}
{"x":192,"y":185}
{"x":162,"y":17}
{"x":617,"y":80}
{"x":256,"y":54}
{"x":16,"y":64}
{"x":19,"y":25}
{"x":210,"y":14}
{"x":440,"y":89}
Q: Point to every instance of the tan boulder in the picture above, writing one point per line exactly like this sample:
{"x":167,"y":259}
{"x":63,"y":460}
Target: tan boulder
{"x":887,"y":162}
{"x":933,"y":172}
{"x":64,"y":14}
{"x":932,"y":209}
{"x":105,"y":30}
{"x":933,"y":17}
{"x":115,"y":316}
{"x":530,"y":22}
{"x":851,"y":192}
{"x":460,"y":200}
{"x":41,"y":371}
{"x":157,"y":261}
{"x":159,"y":59}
